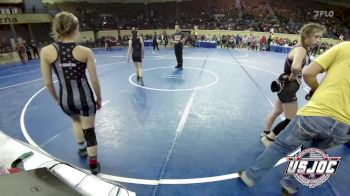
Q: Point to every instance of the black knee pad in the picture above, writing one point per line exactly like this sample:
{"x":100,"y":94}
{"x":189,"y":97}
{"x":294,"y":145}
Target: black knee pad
{"x":280,"y":126}
{"x":286,"y":122}
{"x":90,"y":137}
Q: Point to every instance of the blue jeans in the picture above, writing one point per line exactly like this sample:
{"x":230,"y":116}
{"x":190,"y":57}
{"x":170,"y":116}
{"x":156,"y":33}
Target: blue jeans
{"x":308,"y":131}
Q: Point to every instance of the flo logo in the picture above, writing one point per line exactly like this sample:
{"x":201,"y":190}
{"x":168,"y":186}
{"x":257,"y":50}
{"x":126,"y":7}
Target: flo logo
{"x":312,"y":167}
{"x":318,"y":14}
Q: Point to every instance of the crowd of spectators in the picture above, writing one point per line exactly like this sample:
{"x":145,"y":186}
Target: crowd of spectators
{"x":230,"y":40}
{"x":293,"y":14}
{"x":254,"y":15}
{"x":258,"y":15}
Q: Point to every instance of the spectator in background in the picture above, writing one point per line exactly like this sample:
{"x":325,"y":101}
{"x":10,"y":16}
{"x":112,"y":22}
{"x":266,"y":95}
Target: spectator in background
{"x":28,"y":50}
{"x":21,"y":52}
{"x":108,"y":42}
{"x":155,"y":41}
{"x":165,"y":39}
{"x":35,"y":49}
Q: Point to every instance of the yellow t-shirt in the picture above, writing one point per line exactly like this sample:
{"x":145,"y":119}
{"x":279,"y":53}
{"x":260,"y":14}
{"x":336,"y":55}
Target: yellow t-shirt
{"x":332,"y":98}
{"x":196,"y":32}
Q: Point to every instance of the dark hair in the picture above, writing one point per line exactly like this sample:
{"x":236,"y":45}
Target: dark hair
{"x":134,"y":34}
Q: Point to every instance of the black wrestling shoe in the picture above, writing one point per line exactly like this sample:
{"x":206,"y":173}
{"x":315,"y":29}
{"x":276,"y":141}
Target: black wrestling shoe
{"x":82,"y":153}
{"x":95,"y":169}
{"x":141,"y":82}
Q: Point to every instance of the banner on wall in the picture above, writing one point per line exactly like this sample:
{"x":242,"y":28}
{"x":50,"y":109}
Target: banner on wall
{"x":24,"y":18}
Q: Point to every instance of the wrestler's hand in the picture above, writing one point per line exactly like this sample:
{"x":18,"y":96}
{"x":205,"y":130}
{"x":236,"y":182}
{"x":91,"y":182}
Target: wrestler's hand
{"x":98,"y":104}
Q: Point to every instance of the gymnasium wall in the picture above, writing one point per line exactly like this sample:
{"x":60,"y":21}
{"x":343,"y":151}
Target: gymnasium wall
{"x":207,"y":32}
{"x":43,"y":29}
{"x":25,"y":18}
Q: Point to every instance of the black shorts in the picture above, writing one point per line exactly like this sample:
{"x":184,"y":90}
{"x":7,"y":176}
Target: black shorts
{"x":289,"y":91}
{"x":136,"y":57}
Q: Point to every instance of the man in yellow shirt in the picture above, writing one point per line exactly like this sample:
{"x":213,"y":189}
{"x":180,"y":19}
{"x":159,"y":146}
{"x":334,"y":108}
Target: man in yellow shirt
{"x":322,"y":123}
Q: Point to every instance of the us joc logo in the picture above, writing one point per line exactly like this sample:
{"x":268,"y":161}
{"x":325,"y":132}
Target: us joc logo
{"x":312,"y":167}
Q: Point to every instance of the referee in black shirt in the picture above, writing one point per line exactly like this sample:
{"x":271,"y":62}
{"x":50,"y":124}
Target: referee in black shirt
{"x":178,"y":38}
